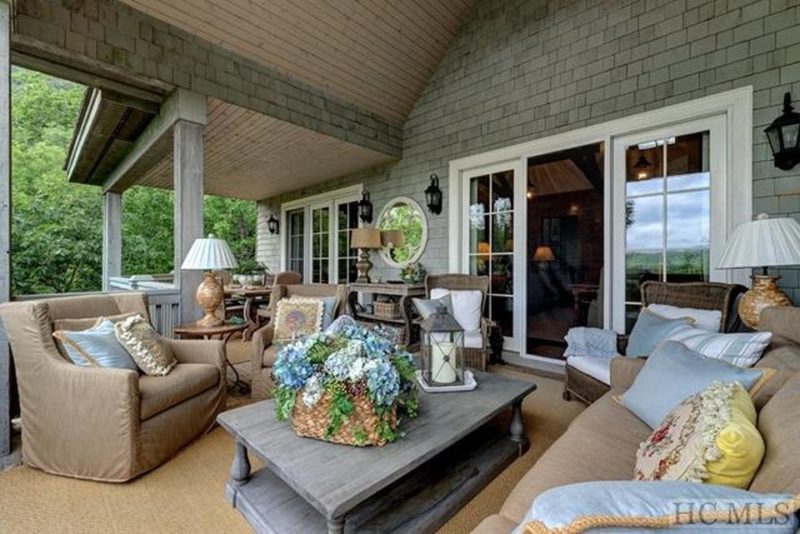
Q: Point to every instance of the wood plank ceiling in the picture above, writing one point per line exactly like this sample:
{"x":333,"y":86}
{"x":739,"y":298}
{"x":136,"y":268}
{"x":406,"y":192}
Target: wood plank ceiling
{"x":377,"y":54}
{"x":253,"y":156}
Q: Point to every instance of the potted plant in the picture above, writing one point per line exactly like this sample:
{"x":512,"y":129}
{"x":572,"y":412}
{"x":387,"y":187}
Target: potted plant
{"x":348,"y":387}
{"x":413,"y":273}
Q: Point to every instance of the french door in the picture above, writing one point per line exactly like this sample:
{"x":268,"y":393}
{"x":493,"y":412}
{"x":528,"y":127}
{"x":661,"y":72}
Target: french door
{"x":670,"y":205}
{"x":490,"y":226}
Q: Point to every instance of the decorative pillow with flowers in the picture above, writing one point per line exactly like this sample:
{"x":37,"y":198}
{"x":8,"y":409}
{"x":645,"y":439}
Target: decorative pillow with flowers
{"x":710,"y":437}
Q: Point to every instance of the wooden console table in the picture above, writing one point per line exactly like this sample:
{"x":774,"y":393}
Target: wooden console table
{"x":402,"y":293}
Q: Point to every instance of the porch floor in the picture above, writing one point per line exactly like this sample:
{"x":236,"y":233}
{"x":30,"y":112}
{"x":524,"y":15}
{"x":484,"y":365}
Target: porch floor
{"x":186,"y":493}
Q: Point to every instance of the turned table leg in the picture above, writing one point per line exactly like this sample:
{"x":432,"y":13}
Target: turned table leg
{"x":336,"y":525}
{"x":517,"y":428}
{"x":240,"y":470}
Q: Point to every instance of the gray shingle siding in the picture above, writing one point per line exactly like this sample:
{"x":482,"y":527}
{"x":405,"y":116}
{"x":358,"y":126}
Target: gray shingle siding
{"x":521,"y":70}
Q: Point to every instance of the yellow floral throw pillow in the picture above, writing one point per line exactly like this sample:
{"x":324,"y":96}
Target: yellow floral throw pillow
{"x":151,"y":354}
{"x":710,"y":437}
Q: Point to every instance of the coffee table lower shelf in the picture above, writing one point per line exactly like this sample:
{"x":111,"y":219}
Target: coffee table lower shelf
{"x":422,"y":501}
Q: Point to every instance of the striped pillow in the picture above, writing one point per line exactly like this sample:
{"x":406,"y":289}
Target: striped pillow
{"x":741,"y":350}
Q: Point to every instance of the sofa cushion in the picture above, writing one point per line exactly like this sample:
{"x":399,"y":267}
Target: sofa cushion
{"x":95,"y":347}
{"x":186,"y":380}
{"x":600,"y":444}
{"x":741,"y":349}
{"x":596,"y":367}
{"x":674,"y":372}
{"x":495,"y":524}
{"x":708,"y":320}
{"x":783,"y":355}
{"x":269,"y":356}
{"x":650,"y":329}
{"x":634,"y":506}
{"x":86,"y":323}
{"x":779,"y":426}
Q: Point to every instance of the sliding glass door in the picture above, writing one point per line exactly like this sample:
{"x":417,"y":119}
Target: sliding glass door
{"x":669,"y":210}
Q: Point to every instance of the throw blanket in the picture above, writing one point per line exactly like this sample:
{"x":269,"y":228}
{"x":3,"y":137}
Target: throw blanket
{"x":585,"y":341}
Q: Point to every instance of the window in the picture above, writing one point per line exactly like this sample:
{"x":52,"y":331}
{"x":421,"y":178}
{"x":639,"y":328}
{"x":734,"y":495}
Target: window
{"x":667,"y":214}
{"x":347,"y":256}
{"x":317,"y":241}
{"x":295,"y":241}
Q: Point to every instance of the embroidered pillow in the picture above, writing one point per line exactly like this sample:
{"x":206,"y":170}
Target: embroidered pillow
{"x":710,"y":437}
{"x":95,"y":347}
{"x":297,"y":317}
{"x":632,"y":506}
{"x":329,"y":306}
{"x":650,"y":330}
{"x":741,"y":350}
{"x":146,"y":347}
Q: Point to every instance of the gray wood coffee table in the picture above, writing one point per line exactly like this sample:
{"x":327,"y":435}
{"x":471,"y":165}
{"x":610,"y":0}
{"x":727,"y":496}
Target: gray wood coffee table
{"x":451,"y":451}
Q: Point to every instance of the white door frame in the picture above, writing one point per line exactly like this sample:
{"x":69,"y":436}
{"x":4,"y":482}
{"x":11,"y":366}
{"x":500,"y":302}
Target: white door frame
{"x":736,"y":106}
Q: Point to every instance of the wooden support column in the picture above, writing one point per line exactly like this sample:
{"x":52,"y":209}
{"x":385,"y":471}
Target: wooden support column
{"x":5,"y":222}
{"x":112,"y":237}
{"x":188,"y":176}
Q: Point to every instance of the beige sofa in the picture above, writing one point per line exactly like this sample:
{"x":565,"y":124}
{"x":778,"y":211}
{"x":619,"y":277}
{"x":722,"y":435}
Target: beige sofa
{"x":99,"y":423}
{"x":601,"y":443}
{"x":264,"y":352}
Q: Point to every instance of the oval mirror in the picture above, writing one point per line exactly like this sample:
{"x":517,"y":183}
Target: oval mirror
{"x":403,"y":220}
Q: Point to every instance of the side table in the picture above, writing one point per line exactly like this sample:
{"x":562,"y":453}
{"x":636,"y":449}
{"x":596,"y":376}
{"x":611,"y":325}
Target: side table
{"x":224,"y":332}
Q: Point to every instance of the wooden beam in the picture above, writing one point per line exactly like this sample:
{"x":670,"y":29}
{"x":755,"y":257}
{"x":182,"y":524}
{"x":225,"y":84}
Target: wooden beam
{"x":155,"y":142}
{"x":112,"y":237}
{"x":188,"y":176}
{"x":5,"y":222}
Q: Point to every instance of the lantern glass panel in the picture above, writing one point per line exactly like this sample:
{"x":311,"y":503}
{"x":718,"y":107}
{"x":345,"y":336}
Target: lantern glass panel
{"x":443,"y":358}
{"x":774,"y":139}
{"x":790,"y":135}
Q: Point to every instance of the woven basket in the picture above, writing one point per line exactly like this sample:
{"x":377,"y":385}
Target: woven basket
{"x":312,"y":422}
{"x":387,"y":310}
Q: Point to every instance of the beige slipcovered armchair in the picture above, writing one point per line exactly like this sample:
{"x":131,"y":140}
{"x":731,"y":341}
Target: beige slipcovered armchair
{"x":264,"y":352}
{"x":100,"y":423}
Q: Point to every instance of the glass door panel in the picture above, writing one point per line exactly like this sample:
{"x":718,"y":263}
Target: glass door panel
{"x":667,"y":214}
{"x":491,"y":242}
{"x":295,"y":241}
{"x":320,"y":245}
{"x":346,"y":256}
{"x":565,"y":242}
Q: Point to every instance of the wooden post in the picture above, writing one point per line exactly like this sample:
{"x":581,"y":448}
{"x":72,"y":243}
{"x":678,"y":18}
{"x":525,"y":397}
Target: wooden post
{"x":188,"y":176}
{"x":112,"y":237}
{"x":5,"y":221}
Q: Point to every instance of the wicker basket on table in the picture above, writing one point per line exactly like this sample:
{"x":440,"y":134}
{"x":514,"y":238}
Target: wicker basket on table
{"x":360,"y":429}
{"x":387,"y":310}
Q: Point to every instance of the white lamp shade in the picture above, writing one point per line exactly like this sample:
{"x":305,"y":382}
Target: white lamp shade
{"x":209,"y":254}
{"x":764,"y":242}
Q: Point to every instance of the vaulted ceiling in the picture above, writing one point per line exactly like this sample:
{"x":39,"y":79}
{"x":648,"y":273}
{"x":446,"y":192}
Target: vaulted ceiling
{"x":377,"y":54}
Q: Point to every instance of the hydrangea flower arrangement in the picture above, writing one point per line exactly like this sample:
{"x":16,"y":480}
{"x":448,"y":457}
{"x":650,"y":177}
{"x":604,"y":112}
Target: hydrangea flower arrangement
{"x":413,"y":273}
{"x":339,"y":368}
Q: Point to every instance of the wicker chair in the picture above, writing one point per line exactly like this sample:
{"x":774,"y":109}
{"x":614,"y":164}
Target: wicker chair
{"x":702,"y":295}
{"x":473,"y":357}
{"x":284,"y":278}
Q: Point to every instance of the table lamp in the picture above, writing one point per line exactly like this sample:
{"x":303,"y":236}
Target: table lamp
{"x":365,"y":239}
{"x":762,"y":243}
{"x":392,"y":238}
{"x":209,"y":255}
{"x":543,"y":253}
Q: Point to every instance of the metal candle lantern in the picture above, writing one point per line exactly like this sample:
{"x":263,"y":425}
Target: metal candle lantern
{"x":442,"y":349}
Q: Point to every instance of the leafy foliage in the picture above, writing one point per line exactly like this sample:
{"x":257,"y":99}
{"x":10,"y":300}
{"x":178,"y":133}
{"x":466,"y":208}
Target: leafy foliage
{"x":57,"y":226}
{"x":406,"y":219}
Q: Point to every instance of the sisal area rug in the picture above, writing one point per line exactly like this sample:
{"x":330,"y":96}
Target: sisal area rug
{"x":186,"y":493}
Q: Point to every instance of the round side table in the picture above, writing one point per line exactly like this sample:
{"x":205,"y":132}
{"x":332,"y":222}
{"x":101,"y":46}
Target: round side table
{"x":224,"y":332}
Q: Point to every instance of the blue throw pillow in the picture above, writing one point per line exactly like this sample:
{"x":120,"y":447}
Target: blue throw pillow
{"x":674,"y":372}
{"x":608,"y":506}
{"x":96,"y":347}
{"x":650,"y":330}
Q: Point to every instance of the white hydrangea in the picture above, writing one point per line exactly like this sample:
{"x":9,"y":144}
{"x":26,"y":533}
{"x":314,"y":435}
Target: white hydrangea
{"x":312,"y":392}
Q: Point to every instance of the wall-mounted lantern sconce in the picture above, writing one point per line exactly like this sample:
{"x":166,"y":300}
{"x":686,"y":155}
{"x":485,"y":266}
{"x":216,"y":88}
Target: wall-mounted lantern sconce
{"x":642,"y":167}
{"x":273,"y":225}
{"x":365,"y":208}
{"x":433,"y":196}
{"x":784,"y":136}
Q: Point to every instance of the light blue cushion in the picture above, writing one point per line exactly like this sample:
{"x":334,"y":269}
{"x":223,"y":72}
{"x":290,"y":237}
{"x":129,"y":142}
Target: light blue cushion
{"x":328,"y":309}
{"x":650,"y":330}
{"x":692,"y":502}
{"x":96,"y":347}
{"x":674,"y":372}
{"x":427,"y":307}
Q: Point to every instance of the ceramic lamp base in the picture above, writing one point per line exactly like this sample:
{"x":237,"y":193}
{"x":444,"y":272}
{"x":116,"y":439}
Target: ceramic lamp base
{"x":363,"y":266}
{"x":764,"y":294}
{"x":210,"y":295}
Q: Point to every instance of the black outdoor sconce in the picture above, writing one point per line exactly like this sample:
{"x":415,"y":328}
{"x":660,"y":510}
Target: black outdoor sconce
{"x":784,"y":136}
{"x":433,"y":196}
{"x":365,"y":208}
{"x":273,"y":224}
